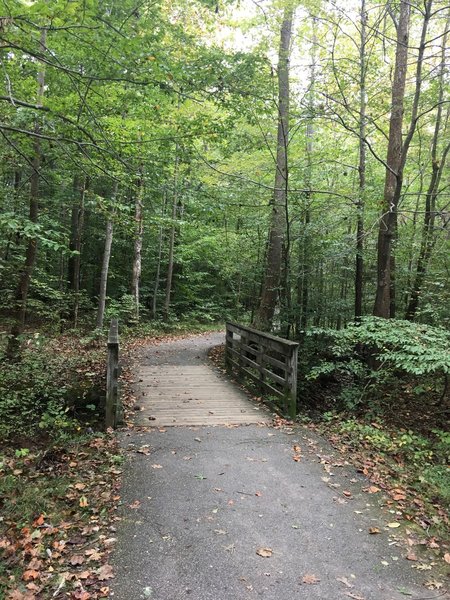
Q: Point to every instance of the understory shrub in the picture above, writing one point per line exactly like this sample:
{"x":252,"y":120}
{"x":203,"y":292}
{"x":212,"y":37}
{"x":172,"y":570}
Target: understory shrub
{"x":41,"y":392}
{"x":378,"y":353}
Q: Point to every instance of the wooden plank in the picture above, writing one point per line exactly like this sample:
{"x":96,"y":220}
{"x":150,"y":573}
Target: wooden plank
{"x":192,"y":395}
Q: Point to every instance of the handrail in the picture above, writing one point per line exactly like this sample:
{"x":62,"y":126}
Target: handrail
{"x":113,"y":416}
{"x":268,"y":360}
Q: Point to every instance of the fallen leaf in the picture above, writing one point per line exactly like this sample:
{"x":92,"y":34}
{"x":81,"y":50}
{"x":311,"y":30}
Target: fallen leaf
{"x":258,"y":494}
{"x":447,"y":557}
{"x":411,"y":556}
{"x":135,"y":504}
{"x":264,"y":552}
{"x":393,"y":525}
{"x":310,"y":579}
{"x":39,"y":521}
{"x":83,"y":502}
{"x":93,"y":554}
{"x":373,"y":489}
{"x":76,"y":559}
{"x":30,"y":574}
{"x":84,"y":575}
{"x":373,"y":530}
{"x":105,"y":572}
{"x":432,"y":584}
{"x":422,"y":567}
{"x":354,"y":595}
{"x":345,"y":581}
{"x":347,"y":493}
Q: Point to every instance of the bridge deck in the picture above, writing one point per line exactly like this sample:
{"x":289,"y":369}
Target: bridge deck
{"x":169,"y":393}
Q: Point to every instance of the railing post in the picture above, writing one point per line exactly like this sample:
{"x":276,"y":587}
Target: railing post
{"x":291,"y":380}
{"x":112,"y":377}
{"x":228,"y":348}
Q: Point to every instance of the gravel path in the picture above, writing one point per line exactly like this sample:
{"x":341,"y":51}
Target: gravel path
{"x":204,"y":503}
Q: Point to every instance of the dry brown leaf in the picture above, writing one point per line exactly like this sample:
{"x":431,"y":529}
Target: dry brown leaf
{"x":84,"y":575}
{"x":447,"y":557}
{"x":310,"y":579}
{"x":264,"y":552}
{"x":345,"y":581}
{"x":39,"y":521}
{"x":135,"y":504}
{"x":76,"y":559}
{"x":411,"y":556}
{"x":432,"y":584}
{"x":355,"y":596}
{"x":105,"y":572}
{"x":373,"y":530}
{"x":93,"y":555}
{"x":347,"y":493}
{"x":30,"y":574}
{"x":18,"y":595}
{"x":373,"y":489}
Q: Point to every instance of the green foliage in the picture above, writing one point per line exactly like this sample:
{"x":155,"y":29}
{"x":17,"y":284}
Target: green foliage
{"x":43,"y":392}
{"x":369,"y":355}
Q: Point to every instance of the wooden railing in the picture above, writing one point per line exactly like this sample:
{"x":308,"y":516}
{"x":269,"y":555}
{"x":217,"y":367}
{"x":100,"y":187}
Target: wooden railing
{"x":269,"y":361}
{"x":113,"y":411}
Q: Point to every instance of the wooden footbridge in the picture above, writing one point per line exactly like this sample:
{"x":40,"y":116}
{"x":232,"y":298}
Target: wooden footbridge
{"x":175,"y":384}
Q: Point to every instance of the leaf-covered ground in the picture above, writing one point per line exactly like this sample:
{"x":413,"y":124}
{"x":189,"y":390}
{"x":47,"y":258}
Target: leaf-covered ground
{"x":57,"y":527}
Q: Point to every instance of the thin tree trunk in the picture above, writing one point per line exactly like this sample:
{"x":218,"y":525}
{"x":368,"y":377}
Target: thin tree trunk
{"x":74,"y":263}
{"x":359,"y":263}
{"x":269,"y":295}
{"x":105,"y":265}
{"x":158,"y":263}
{"x":427,"y":242}
{"x":396,"y":157}
{"x":170,"y":260}
{"x":138,"y":236}
{"x":21,"y":296}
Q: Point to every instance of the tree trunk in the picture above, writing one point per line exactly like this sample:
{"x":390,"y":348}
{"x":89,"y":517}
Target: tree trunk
{"x":105,"y":266}
{"x":170,"y":259}
{"x":74,"y":263}
{"x":158,"y":262}
{"x":396,"y":157}
{"x":359,"y":263}
{"x":269,"y":295}
{"x":21,"y":296}
{"x":138,"y":235}
{"x":427,"y":243}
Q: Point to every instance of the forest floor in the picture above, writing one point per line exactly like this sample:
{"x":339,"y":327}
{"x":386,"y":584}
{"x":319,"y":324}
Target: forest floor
{"x":260,"y":511}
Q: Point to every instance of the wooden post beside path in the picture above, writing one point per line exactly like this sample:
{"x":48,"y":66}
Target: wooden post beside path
{"x":112,"y":413}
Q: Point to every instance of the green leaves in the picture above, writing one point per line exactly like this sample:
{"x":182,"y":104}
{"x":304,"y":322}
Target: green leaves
{"x":414,"y":348}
